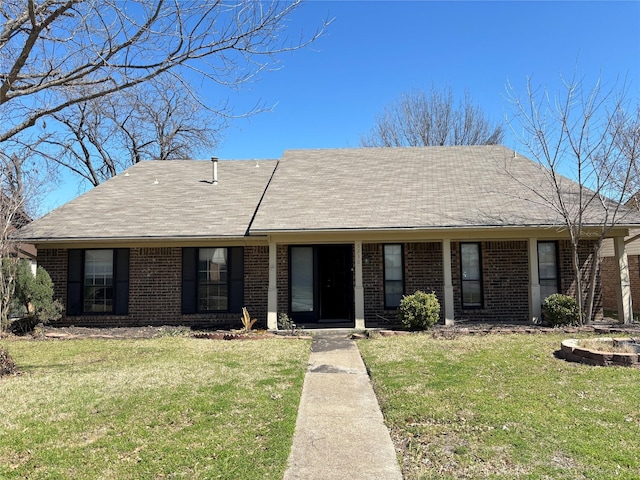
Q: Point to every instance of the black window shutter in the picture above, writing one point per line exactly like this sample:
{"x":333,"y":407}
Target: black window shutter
{"x":236,"y":287}
{"x":75,"y":270}
{"x":189,"y":280}
{"x":121,"y":274}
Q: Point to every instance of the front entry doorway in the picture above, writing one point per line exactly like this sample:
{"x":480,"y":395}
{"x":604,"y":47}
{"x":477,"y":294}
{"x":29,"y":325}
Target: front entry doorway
{"x":321,"y":283}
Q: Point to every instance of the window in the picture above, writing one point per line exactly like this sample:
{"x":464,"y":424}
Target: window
{"x":98,"y":281}
{"x":301,"y":279}
{"x":393,"y":276}
{"x":471,"y":270}
{"x":212,"y":279}
{"x":547,"y":268}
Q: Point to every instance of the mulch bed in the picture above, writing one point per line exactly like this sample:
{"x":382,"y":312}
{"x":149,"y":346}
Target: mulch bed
{"x":71,"y":333}
{"x":439,"y":331}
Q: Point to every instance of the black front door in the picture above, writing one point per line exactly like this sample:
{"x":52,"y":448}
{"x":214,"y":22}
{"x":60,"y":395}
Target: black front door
{"x":321,"y":283}
{"x":336,"y":284}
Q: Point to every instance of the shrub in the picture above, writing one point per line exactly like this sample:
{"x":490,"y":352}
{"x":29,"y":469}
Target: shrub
{"x":560,"y":309}
{"x":36,"y":294}
{"x":7,"y":365}
{"x":419,"y":311}
{"x":285,"y":322}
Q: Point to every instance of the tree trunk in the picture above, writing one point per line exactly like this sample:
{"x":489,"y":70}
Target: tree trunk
{"x":578,"y":279}
{"x":593,"y":276}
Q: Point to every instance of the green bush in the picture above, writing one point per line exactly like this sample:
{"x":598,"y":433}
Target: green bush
{"x":419,"y":311}
{"x":560,"y":309}
{"x":35,"y":292}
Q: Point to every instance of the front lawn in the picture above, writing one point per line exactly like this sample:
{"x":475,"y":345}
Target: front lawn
{"x":155,"y":408}
{"x":501,"y":406}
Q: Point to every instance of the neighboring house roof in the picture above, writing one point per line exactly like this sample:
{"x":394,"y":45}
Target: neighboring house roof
{"x":162,"y":199}
{"x":19,"y":218}
{"x":315,"y":190}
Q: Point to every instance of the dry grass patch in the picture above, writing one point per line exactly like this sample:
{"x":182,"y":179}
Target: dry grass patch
{"x":156,"y":408}
{"x":609,"y":345}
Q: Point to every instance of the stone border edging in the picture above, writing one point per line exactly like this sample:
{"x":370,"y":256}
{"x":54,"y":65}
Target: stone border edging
{"x":569,"y":350}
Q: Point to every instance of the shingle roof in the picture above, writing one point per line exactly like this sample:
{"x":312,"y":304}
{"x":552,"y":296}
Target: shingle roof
{"x":182,"y":204}
{"x":312,"y":190}
{"x":415,"y":187}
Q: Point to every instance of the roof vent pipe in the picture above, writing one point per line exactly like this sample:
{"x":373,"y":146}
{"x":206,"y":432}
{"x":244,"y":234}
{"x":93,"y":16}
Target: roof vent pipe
{"x":214,"y":160}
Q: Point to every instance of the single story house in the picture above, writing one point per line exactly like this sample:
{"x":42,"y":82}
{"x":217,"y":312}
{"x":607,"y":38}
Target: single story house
{"x":333,"y":235}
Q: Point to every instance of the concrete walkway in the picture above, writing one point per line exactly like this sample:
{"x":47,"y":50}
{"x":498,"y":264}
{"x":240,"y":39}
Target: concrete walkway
{"x":340,"y":432}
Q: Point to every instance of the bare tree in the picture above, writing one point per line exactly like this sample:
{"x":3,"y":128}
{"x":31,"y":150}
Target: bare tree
{"x":98,"y":138}
{"x":628,"y":143}
{"x":12,"y":216}
{"x":56,"y":54}
{"x":419,"y":118}
{"x":21,"y":186}
{"x":583,"y":133}
{"x":167,"y":122}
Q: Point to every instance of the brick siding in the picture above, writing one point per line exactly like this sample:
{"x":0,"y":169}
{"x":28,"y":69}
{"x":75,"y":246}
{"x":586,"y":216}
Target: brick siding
{"x":155,"y":283}
{"x":609,"y":275}
{"x":505,"y":282}
{"x":567,"y":278}
{"x":155,"y":286}
{"x":282,"y":270}
{"x":422,"y":271}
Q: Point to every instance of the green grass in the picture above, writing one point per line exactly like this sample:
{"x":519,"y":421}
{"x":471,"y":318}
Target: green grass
{"x":158,"y":408}
{"x":503,"y":407}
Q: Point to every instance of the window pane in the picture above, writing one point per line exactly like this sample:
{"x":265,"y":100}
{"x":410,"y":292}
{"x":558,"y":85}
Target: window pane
{"x":393,"y":276}
{"x":213,"y":288}
{"x":547,"y":266}
{"x":98,"y":281}
{"x":393,"y":262}
{"x":471,"y":294}
{"x":471,"y":274}
{"x":212,"y":264}
{"x":212,"y":297}
{"x":548,"y":287}
{"x":470,"y":253}
{"x":392,"y":293}
{"x":302,"y":279}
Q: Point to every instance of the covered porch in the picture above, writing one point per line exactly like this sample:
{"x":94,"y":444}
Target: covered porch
{"x":334,"y":285}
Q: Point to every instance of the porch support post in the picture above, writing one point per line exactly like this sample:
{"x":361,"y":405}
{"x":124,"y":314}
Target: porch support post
{"x":272,"y":296}
{"x":535,"y":302}
{"x":448,"y":284}
{"x":359,"y":289}
{"x":623,"y":285}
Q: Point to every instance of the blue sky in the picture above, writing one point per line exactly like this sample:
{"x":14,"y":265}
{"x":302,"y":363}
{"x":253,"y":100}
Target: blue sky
{"x":328,"y":95}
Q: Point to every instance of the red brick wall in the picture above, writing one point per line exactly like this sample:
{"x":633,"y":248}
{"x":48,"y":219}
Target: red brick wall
{"x":256,"y":282}
{"x":373,"y":285}
{"x":609,"y":274}
{"x":282,"y":270}
{"x":505,"y":282}
{"x":155,"y":285}
{"x":567,"y":277}
{"x":422,"y":271}
{"x":54,"y":261}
